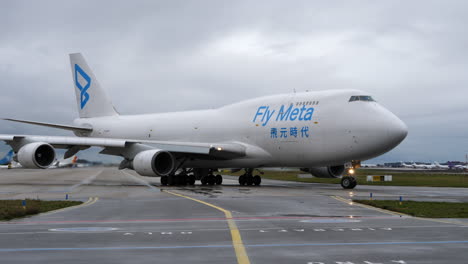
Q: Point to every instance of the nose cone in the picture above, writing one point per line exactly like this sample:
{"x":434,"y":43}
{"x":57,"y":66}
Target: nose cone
{"x":397,"y":131}
{"x":378,"y":132}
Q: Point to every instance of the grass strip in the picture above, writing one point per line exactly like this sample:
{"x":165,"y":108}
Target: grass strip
{"x":422,"y":209}
{"x":10,"y":209}
{"x":428,"y":179}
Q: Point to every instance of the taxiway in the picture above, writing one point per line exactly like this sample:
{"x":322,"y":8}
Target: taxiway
{"x":132,"y":219}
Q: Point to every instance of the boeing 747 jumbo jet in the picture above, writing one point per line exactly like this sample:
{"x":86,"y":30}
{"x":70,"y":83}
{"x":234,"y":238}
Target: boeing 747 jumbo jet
{"x":324,"y":133}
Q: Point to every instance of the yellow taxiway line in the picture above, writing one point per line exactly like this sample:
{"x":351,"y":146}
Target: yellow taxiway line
{"x":241,"y":254}
{"x":91,"y":200}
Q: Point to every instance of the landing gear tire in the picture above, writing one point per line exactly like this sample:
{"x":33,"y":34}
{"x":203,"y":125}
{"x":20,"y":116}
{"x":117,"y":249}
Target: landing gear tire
{"x":218,"y":179}
{"x":348,"y":182}
{"x":257,"y":180}
{"x":211,"y":180}
{"x":242,"y":180}
{"x":250,"y":180}
{"x":191,"y":180}
{"x":354,"y":183}
{"x":204,"y":180}
{"x":164,"y":180}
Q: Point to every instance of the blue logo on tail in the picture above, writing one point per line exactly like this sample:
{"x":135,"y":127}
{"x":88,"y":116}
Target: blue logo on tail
{"x":84,"y":96}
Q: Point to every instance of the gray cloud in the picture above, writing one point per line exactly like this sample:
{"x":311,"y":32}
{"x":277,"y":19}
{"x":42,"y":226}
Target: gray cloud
{"x":409,"y":55}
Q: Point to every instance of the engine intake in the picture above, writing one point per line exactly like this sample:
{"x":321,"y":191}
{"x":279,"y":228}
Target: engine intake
{"x":327,"y":172}
{"x":154,"y":162}
{"x":37,"y":155}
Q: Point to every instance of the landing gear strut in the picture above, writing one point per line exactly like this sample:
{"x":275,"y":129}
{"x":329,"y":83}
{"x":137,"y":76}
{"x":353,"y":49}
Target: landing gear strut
{"x":248,"y":179}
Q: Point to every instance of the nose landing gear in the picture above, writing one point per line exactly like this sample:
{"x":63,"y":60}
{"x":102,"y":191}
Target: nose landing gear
{"x":349,"y":181}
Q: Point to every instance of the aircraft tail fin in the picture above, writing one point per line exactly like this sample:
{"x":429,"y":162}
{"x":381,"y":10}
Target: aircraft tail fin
{"x":8,"y":158}
{"x":91,"y":98}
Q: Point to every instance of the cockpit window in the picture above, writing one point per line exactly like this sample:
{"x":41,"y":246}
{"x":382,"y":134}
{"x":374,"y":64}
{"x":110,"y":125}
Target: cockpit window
{"x":361,"y":98}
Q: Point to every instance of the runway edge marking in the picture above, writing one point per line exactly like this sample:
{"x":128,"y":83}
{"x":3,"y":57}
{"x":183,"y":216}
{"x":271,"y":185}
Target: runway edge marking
{"x":90,"y":201}
{"x":341,"y":199}
{"x":241,"y":253}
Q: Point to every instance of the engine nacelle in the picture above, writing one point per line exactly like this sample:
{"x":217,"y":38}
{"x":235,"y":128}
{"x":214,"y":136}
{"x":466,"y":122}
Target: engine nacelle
{"x":328,"y":172}
{"x":37,"y":155}
{"x":154,"y":162}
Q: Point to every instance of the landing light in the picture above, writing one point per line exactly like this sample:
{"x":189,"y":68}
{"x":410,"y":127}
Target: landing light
{"x":351,"y":171}
{"x":219,"y":149}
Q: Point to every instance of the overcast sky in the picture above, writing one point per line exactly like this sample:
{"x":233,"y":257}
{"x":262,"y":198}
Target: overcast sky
{"x":157,"y":56}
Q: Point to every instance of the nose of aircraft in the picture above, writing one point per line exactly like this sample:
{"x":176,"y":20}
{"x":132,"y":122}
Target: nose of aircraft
{"x":397,"y":130}
{"x":383,"y":131}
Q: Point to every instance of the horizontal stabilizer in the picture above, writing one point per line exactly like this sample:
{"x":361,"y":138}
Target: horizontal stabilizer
{"x":66,"y":127}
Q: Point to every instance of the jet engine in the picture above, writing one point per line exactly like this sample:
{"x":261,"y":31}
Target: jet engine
{"x":327,"y":172}
{"x":154,"y":162}
{"x":37,"y":155}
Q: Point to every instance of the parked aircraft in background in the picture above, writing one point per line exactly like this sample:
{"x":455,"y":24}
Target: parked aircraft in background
{"x":324,"y":132}
{"x":8,"y":161}
{"x":461,"y":167}
{"x":442,"y":167}
{"x":422,"y":166}
{"x":65,"y":163}
{"x":409,"y":166}
{"x":7,"y":158}
{"x":367,"y":165}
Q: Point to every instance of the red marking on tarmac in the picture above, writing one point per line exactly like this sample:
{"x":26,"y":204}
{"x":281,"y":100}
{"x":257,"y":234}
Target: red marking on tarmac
{"x":196,"y":219}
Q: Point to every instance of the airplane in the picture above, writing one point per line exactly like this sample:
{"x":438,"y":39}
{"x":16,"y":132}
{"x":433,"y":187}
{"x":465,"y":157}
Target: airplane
{"x":8,"y":162}
{"x":409,"y":166}
{"x":439,"y":166}
{"x":65,"y":163}
{"x":422,"y":166}
{"x":327,"y":132}
{"x":8,"y":158}
{"x":460,"y":167}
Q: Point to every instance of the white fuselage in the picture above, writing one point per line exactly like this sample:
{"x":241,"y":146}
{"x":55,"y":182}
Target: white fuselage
{"x":320,"y":129}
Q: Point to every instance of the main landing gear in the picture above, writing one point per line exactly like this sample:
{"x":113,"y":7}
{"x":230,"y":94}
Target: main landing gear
{"x":182,"y":178}
{"x":348,"y":182}
{"x":212,"y":179}
{"x":189,"y":176}
{"x":248,"y":179}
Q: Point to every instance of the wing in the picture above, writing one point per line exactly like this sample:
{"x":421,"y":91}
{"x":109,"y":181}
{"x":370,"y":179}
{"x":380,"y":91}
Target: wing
{"x":59,"y":126}
{"x":128,"y":147}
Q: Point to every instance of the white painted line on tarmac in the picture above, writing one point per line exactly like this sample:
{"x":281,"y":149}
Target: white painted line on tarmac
{"x":83,"y":182}
{"x":140,"y":180}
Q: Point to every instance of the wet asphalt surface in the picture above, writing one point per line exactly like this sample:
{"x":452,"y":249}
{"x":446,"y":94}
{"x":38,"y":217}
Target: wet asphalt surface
{"x":131,"y":219}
